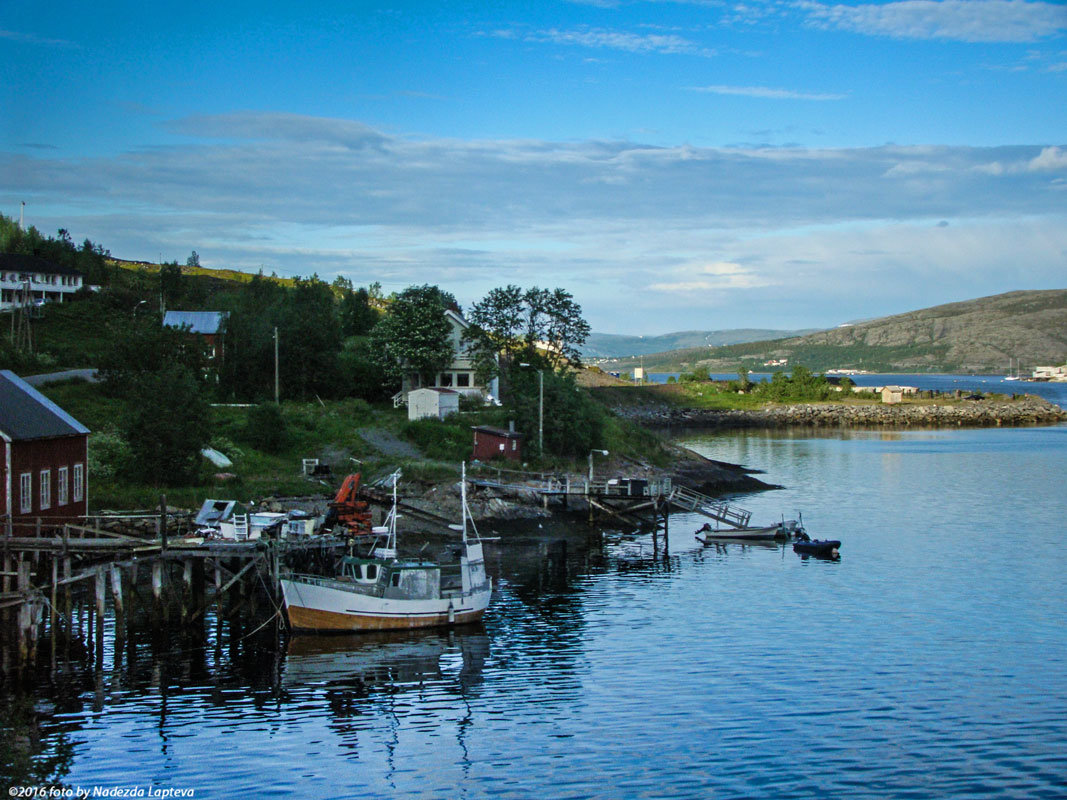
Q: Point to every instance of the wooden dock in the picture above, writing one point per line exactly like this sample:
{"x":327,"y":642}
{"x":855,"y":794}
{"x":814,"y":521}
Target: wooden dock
{"x":630,"y":500}
{"x":41,"y":570}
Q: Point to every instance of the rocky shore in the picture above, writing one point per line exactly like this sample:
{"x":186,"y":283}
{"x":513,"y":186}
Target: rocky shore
{"x":1029,"y":410}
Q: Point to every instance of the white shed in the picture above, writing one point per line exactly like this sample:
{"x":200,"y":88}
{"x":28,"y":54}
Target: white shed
{"x":435,"y":402}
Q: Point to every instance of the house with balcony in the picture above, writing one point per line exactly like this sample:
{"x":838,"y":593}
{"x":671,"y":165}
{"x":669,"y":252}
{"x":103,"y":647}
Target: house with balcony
{"x":31,"y":280}
{"x":458,"y":376}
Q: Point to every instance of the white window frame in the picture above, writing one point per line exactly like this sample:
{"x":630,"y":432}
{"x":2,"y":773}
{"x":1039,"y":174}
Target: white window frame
{"x":79,"y":483}
{"x":45,"y":487}
{"x":62,"y":486}
{"x":26,"y":493}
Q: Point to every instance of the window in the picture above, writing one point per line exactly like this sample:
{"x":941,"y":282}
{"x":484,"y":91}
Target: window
{"x":62,"y":487}
{"x":46,"y":489}
{"x":79,"y":482}
{"x":445,"y":379}
{"x":396,"y":579}
{"x":372,"y":572}
{"x":25,"y":492}
{"x":463,"y":379}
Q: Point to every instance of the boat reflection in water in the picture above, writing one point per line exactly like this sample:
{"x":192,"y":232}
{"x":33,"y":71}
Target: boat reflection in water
{"x":375,"y":660}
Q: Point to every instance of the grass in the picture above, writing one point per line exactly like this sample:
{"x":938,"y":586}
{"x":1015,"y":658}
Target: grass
{"x":328,"y":431}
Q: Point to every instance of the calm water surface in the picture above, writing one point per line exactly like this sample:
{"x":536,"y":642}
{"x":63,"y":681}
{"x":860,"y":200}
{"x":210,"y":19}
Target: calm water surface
{"x":930,"y":661}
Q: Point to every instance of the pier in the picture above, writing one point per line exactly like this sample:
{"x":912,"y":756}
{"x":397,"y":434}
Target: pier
{"x":42,"y":565}
{"x":636,"y":501}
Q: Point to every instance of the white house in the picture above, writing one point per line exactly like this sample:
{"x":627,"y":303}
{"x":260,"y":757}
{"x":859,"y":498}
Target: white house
{"x":1057,"y":374}
{"x":436,"y":403}
{"x":458,"y":376}
{"x":30,"y":280}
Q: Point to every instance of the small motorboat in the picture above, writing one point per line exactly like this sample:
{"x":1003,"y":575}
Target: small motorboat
{"x":709,"y":535}
{"x":820,"y":548}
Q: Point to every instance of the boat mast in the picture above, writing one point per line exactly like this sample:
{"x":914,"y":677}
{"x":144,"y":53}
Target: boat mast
{"x":463,"y":499}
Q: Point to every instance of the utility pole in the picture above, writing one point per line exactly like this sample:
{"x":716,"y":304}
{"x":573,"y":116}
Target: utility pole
{"x":541,"y":413}
{"x":277,"y":392}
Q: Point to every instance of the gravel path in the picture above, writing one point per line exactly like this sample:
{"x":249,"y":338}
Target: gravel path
{"x":388,"y":444}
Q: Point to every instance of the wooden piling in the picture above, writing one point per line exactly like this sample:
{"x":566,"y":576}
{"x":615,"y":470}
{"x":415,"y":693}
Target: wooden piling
{"x":25,"y":612}
{"x":116,"y":589}
{"x":101,"y":593}
{"x":157,"y":586}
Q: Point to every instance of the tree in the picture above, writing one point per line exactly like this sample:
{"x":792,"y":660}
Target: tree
{"x":573,"y":422}
{"x":415,"y":335}
{"x":358,"y":317}
{"x":193,"y":260}
{"x":565,"y":329}
{"x":494,"y":332}
{"x":167,"y":426}
{"x":143,"y":346}
{"x":170,"y":283}
{"x":510,"y":323}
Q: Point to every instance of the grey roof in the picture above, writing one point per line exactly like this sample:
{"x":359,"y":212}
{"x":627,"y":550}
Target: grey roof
{"x":25,"y":413}
{"x":208,"y":322}
{"x":17,"y":262}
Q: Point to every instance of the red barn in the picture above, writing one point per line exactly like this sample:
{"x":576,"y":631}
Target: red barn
{"x":44,"y":457}
{"x":490,"y":443}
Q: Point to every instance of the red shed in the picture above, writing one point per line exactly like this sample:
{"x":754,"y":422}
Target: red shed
{"x":490,"y":443}
{"x":44,"y":457}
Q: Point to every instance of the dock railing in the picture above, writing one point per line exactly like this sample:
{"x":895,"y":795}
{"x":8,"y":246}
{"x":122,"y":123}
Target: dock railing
{"x":716,"y":509}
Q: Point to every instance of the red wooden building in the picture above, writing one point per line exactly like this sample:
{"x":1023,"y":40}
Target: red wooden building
{"x":490,"y":443}
{"x":43,"y":458}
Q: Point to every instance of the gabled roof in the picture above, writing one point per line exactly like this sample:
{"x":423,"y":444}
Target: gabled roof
{"x":25,"y":413}
{"x":203,"y":322}
{"x":17,"y":262}
{"x":497,"y":431}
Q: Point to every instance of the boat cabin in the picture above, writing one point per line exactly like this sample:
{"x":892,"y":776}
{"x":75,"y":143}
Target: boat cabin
{"x":411,"y":580}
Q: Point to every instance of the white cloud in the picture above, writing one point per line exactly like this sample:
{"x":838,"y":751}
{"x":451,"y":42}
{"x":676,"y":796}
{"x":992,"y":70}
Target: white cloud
{"x":29,"y":38}
{"x":961,"y":20}
{"x":702,"y":277}
{"x":601,"y":38}
{"x":794,"y":229}
{"x":767,"y":93}
{"x":1050,"y":158}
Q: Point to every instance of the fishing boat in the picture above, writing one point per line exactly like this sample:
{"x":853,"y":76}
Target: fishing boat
{"x":382,"y":591}
{"x":707,"y":534}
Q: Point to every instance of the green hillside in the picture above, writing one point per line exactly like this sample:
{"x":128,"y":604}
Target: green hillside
{"x":610,"y":345}
{"x":973,"y":336}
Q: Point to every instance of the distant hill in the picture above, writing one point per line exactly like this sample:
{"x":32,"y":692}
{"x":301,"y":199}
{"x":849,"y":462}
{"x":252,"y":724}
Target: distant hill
{"x":610,"y":345}
{"x":973,"y":336}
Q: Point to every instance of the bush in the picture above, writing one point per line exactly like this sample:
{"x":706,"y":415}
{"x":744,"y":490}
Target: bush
{"x":265,"y":428}
{"x":109,"y":454}
{"x":439,"y":439}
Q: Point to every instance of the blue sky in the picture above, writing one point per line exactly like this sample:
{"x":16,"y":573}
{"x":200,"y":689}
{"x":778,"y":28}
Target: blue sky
{"x":675,"y":165}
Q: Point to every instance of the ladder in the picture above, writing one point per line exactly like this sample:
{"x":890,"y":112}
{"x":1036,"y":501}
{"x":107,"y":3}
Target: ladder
{"x":702,"y":504}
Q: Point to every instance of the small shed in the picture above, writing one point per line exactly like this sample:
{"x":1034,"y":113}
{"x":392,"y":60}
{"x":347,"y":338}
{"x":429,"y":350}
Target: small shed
{"x":432,"y":402}
{"x":490,"y":443}
{"x":892,"y":394}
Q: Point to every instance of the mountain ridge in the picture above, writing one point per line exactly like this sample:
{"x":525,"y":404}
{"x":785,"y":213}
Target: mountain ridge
{"x":978,"y":335}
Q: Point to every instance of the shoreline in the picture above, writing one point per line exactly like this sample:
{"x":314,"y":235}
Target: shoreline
{"x":1030,"y":410}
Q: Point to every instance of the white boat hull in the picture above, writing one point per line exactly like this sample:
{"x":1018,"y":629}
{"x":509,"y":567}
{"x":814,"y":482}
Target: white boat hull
{"x":755,"y":534}
{"x":317,"y":606}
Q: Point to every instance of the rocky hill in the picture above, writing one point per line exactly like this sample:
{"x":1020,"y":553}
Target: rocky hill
{"x":973,"y":336}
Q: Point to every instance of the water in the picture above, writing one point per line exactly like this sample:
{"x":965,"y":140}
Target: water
{"x":930,"y":661}
{"x":1053,"y":392}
